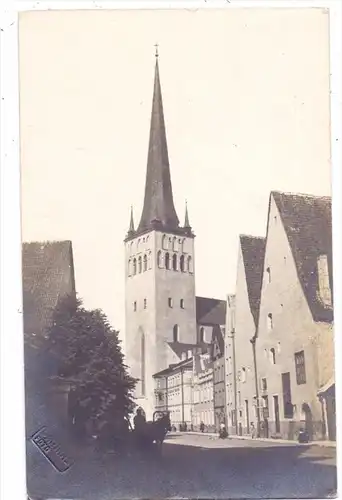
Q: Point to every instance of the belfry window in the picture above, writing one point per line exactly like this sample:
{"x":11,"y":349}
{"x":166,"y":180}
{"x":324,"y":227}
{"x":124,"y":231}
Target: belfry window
{"x":145,"y":262}
{"x":181,"y":263}
{"x":190,"y":264}
{"x":167,"y":260}
{"x":139,"y":265}
{"x":159,"y":258}
{"x":174,"y":262}
{"x":134,"y":266}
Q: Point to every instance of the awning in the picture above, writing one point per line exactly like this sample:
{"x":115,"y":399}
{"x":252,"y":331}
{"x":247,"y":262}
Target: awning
{"x":326,"y":386}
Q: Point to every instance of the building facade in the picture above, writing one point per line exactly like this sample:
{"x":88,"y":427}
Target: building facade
{"x":173,"y":392}
{"x":159,"y":270}
{"x":203,"y":392}
{"x":296,"y":315}
{"x":230,"y":369}
{"x":247,"y":303}
{"x":217,"y":356}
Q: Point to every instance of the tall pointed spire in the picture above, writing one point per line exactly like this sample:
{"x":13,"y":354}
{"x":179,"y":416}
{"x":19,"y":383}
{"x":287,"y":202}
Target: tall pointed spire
{"x":131,"y":229}
{"x":186,"y":219}
{"x":158,"y":210}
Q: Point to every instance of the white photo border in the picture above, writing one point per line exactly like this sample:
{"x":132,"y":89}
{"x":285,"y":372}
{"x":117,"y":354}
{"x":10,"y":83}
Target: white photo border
{"x":12,"y":438}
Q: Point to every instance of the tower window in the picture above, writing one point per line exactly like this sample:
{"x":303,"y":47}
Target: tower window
{"x":182,"y":303}
{"x":129,"y":267}
{"x":142,"y":375}
{"x":135,"y":305}
{"x":164,"y":242}
{"x":181,"y":263}
{"x":201,"y":339}
{"x":175,"y":333}
{"x":174,"y":262}
{"x":145,"y":262}
{"x":190,"y":264}
{"x":270,"y":321}
{"x":273,"y":356}
{"x":268,"y":271}
{"x":134,"y":266}
{"x":139,"y":265}
{"x":300,"y":367}
{"x":145,"y":303}
{"x":170,"y":302}
{"x":167,"y":260}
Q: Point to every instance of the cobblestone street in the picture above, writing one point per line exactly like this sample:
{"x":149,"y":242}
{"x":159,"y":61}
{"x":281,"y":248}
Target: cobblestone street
{"x":198,"y":466}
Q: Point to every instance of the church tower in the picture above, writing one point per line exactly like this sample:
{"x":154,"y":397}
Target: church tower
{"x":159,"y":261}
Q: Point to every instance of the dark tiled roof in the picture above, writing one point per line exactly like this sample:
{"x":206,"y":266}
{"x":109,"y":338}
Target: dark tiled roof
{"x":253,"y":253}
{"x":179,"y":347}
{"x":210,"y":311}
{"x":307,"y":222}
{"x":217,"y":338}
{"x":48,"y":275}
{"x":171,"y":368}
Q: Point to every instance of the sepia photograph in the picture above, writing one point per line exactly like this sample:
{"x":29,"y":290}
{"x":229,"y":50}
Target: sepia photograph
{"x":177,"y":267}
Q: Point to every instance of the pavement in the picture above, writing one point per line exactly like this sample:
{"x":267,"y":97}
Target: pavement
{"x":329,"y":444}
{"x":196,"y":466}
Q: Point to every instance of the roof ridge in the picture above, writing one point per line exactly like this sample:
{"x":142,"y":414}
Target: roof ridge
{"x":304,"y":195}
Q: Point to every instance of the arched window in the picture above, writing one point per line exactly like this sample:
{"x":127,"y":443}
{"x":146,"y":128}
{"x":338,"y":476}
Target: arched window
{"x":174,"y":262}
{"x":243,"y":375}
{"x":201,"y":339}
{"x":149,"y":260}
{"x":190,"y":264}
{"x":181,"y":263}
{"x":139,"y":265}
{"x":268,"y":271}
{"x":134,"y":266}
{"x":142,"y":374}
{"x":164,"y":242}
{"x":159,"y":259}
{"x":167,"y":260}
{"x":270,"y":321}
{"x":182,"y":303}
{"x":175,"y":333}
{"x":145,"y":262}
{"x":174,"y":244}
{"x":129,"y":267}
{"x":273,"y":356}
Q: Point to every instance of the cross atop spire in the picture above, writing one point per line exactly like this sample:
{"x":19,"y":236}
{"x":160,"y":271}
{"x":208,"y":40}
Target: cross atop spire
{"x":186,"y":220}
{"x":156,"y":47}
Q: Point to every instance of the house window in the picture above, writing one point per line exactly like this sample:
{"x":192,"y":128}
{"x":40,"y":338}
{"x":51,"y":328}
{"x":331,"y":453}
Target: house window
{"x":145,"y":262}
{"x":135,"y":305}
{"x":182,"y":303}
{"x":170,"y":302}
{"x":300,"y":367}
{"x":269,"y":321}
{"x":175,"y":333}
{"x":323,"y":280}
{"x":273,"y":356}
{"x":145,"y":303}
{"x":167,"y":260}
{"x":201,"y":339}
{"x":174,"y":262}
{"x":268,"y":274}
{"x":264,"y":384}
{"x":181,"y":263}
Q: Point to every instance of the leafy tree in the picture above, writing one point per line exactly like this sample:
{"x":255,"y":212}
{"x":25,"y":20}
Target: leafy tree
{"x":89,"y":355}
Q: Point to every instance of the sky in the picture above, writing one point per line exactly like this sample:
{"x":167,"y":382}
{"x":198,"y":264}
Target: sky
{"x":246,"y":104}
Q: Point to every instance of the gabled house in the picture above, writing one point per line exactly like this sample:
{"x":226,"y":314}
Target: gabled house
{"x":296,"y":318}
{"x":203,"y":392}
{"x":217,"y":357}
{"x":246,"y":313}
